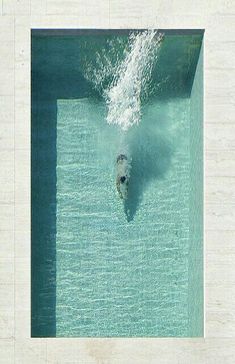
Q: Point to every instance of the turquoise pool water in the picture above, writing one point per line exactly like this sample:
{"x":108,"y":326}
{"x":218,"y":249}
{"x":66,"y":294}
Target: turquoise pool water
{"x":102,"y":267}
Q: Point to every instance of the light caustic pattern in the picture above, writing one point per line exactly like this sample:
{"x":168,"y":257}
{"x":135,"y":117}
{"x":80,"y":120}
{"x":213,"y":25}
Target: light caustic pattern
{"x":121,"y":275}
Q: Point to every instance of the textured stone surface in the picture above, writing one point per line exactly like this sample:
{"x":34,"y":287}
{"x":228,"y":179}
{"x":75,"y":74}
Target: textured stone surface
{"x":218,"y":18}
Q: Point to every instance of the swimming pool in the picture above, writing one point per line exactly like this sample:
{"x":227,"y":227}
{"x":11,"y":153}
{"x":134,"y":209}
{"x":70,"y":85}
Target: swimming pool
{"x":101,"y":266}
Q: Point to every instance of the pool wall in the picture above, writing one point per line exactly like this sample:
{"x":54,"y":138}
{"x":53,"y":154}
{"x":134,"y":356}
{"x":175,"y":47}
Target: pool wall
{"x":195,"y":269}
{"x":16,"y":20}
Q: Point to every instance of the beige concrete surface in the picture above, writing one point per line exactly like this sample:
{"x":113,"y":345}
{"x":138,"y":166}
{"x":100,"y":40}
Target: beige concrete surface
{"x":217,"y":17}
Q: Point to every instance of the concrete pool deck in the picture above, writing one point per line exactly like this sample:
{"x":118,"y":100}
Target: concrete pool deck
{"x":17,"y":18}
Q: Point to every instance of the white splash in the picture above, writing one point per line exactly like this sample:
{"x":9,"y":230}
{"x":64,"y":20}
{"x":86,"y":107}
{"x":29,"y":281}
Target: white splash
{"x":101,"y":69}
{"x":131,"y":79}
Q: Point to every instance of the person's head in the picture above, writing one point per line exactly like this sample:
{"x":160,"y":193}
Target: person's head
{"x":122,"y":179}
{"x":121,"y":157}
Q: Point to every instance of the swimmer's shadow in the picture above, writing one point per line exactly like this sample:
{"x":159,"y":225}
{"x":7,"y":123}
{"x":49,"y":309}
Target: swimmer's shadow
{"x":151,"y":156}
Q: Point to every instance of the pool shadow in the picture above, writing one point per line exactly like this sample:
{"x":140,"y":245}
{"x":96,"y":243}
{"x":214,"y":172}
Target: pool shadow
{"x":48,"y":85}
{"x":151,"y":151}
